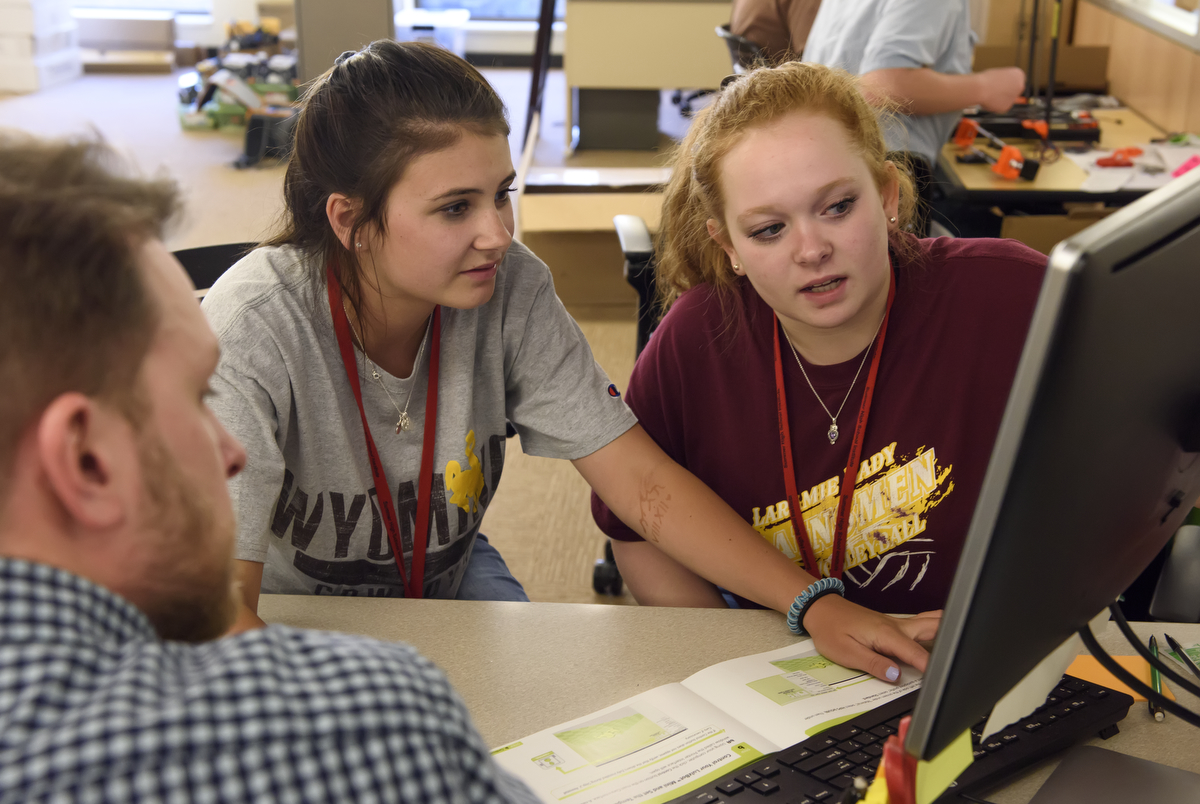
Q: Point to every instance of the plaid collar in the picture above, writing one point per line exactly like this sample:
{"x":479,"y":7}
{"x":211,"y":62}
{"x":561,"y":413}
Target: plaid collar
{"x":40,"y":603}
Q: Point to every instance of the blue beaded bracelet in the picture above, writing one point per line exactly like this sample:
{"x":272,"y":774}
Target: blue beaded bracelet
{"x":816,"y":590}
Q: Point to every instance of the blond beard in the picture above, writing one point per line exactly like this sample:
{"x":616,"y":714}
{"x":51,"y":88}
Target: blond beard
{"x":187,"y":596}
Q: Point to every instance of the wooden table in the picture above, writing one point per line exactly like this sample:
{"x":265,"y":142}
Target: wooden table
{"x":523,"y":667}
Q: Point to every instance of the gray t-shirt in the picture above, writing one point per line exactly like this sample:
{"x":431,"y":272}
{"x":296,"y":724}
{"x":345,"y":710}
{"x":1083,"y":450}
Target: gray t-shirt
{"x":302,"y":500}
{"x":861,"y":36}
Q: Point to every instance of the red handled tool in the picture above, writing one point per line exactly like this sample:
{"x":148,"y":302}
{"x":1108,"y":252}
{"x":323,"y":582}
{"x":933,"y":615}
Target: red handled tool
{"x":1121,"y":157}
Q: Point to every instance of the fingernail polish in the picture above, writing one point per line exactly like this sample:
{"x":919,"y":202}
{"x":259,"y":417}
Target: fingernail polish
{"x":893,"y":673}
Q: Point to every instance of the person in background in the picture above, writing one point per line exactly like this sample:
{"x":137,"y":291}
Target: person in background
{"x":913,"y":55}
{"x":779,"y":27}
{"x":116,"y":545}
{"x":838,"y":382}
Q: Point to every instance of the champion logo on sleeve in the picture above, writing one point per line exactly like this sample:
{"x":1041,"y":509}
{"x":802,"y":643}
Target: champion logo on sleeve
{"x":613,"y":392}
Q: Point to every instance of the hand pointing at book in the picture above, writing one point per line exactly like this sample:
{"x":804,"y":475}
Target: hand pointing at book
{"x":854,"y":636}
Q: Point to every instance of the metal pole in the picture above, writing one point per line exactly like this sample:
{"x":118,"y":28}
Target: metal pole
{"x":541,"y":63}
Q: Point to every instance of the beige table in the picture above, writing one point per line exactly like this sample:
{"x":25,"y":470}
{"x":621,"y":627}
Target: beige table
{"x":523,"y":667}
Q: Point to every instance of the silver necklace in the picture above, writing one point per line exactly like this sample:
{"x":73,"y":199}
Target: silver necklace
{"x":832,"y":433}
{"x":403,"y":422}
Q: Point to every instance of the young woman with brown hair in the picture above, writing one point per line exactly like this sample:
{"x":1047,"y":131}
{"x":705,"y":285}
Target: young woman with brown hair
{"x":818,"y":360}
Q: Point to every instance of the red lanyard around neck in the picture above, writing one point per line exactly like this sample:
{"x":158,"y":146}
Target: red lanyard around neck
{"x":846,"y":490}
{"x":413,"y":588}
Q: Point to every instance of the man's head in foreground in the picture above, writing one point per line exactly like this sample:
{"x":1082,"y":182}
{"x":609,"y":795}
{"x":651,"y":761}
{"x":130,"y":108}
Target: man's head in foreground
{"x":112,"y":466}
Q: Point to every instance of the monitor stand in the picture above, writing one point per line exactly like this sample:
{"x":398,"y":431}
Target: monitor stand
{"x":1092,"y":775}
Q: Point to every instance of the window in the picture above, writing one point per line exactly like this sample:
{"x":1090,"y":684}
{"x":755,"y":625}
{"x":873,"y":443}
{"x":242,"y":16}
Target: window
{"x":496,"y":9}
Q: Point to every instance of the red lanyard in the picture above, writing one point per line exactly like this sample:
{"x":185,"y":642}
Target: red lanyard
{"x":413,"y":588}
{"x":846,"y":491}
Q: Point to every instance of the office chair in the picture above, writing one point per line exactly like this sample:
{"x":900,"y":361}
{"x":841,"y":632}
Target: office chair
{"x":638,"y":249}
{"x":684,"y":100}
{"x":921,"y":172}
{"x":1177,"y":594}
{"x":205,"y":264}
{"x":744,"y":54}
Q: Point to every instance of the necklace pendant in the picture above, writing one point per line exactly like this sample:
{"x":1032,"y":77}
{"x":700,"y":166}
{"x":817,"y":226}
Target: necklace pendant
{"x":833,"y":433}
{"x":403,"y":423}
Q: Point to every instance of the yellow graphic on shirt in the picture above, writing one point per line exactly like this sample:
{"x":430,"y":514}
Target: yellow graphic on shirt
{"x":466,"y":485}
{"x":886,"y":513}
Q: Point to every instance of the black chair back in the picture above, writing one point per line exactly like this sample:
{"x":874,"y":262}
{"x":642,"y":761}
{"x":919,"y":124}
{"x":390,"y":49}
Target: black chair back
{"x":638,"y":250}
{"x":206,"y":263}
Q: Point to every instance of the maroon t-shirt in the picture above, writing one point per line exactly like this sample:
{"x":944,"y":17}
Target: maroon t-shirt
{"x":704,"y":389}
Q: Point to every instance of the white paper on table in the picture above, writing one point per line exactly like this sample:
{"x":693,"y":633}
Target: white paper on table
{"x":1148,"y":181}
{"x":1173,"y":156}
{"x":1107,"y":180}
{"x":1031,"y":691}
{"x":651,"y":746}
{"x":1086,"y":160}
{"x":786,"y":704}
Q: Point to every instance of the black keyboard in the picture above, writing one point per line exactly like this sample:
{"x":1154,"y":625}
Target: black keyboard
{"x":820,"y":768}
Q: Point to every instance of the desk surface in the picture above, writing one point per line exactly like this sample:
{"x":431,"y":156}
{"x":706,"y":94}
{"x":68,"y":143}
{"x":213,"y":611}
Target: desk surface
{"x":523,"y":667}
{"x":1118,"y":128}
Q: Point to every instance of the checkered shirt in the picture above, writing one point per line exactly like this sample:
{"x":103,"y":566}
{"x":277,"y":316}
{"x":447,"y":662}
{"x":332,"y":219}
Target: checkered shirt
{"x":94,"y":707}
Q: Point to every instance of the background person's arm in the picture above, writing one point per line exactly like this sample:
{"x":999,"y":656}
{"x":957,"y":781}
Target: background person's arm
{"x":923,"y":91}
{"x":695,"y":529}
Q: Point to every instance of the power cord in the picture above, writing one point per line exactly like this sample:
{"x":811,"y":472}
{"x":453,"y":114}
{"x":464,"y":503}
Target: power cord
{"x":1134,"y":683}
{"x":1163,"y":667}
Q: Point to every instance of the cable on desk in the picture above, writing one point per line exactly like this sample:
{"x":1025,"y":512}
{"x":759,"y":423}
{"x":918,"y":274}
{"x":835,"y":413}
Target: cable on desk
{"x":1133,"y":682}
{"x":1136,"y":641}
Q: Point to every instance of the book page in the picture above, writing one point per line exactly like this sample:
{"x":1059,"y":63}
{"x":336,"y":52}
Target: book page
{"x":649,"y":748}
{"x":790,"y":694}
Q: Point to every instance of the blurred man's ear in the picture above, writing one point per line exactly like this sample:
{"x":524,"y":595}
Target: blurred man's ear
{"x":88,"y":453}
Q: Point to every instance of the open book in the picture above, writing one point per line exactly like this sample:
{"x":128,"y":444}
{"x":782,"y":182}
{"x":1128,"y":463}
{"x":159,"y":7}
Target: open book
{"x":663,"y":743}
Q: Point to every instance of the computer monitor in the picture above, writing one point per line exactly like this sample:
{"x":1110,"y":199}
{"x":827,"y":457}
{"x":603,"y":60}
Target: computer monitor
{"x":1096,"y":463}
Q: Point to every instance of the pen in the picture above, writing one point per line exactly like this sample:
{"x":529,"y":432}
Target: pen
{"x":1155,"y":682}
{"x":1183,"y":657}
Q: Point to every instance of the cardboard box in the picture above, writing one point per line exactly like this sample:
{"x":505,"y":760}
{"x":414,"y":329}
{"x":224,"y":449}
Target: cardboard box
{"x":40,"y":72}
{"x":26,"y":46}
{"x":1044,"y":232}
{"x":37,"y":17}
{"x":1080,"y":68}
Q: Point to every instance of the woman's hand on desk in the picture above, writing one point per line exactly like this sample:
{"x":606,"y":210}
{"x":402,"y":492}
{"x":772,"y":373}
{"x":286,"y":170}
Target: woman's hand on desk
{"x":857,"y":637}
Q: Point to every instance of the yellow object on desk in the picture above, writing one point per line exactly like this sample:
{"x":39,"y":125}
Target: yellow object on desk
{"x":1089,"y":669}
{"x":934,"y":776}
